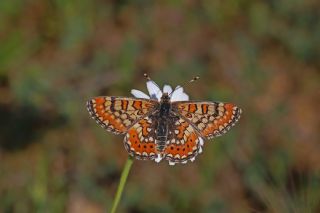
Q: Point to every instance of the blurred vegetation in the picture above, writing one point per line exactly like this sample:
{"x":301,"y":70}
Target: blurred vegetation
{"x":261,"y":55}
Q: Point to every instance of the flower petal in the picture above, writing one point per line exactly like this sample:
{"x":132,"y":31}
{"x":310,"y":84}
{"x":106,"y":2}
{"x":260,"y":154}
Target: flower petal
{"x":154,"y":90}
{"x":184,"y":97}
{"x":139,"y":94}
{"x":167,"y":89}
{"x":179,"y":95}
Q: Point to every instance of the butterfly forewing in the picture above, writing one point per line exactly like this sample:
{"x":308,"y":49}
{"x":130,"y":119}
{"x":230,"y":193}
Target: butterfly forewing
{"x":118,"y":114}
{"x":211,"y":119}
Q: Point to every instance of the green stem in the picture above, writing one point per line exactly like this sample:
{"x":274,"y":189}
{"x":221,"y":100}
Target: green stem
{"x":123,"y":180}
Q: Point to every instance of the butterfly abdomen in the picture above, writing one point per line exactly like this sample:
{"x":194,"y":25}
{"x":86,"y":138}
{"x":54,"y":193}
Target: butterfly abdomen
{"x":162,"y":127}
{"x":162,"y":134}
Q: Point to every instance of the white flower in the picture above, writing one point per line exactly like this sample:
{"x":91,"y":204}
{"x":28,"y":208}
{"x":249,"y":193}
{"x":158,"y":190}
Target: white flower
{"x":156,"y":93}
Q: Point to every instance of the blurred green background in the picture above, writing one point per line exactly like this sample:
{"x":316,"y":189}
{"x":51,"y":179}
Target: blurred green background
{"x":261,"y":55}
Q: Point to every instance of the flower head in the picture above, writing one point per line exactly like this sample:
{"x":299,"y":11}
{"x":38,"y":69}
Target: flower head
{"x":155,"y":92}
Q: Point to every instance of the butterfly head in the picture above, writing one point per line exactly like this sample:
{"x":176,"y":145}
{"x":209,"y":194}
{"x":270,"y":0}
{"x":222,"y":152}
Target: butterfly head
{"x":165,"y":97}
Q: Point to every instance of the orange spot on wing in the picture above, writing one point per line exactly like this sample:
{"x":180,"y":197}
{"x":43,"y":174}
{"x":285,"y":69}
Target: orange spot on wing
{"x":144,"y":126}
{"x":204,"y":108}
{"x":229,"y":108}
{"x":124,"y":104}
{"x":182,"y":150}
{"x":210,"y":129}
{"x":117,"y":125}
{"x":192,"y":108}
{"x":137,"y":104}
{"x":181,"y":129}
{"x":139,"y":146}
{"x":134,"y":140}
{"x":100,"y":100}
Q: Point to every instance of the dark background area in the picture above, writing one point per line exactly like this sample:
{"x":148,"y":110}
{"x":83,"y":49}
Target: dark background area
{"x":261,"y":55}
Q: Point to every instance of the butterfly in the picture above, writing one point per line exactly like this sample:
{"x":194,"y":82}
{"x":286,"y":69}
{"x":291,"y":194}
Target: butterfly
{"x":165,"y":125}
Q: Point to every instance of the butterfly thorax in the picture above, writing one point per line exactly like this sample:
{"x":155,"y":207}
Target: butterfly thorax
{"x":162,"y":122}
{"x":165,"y":105}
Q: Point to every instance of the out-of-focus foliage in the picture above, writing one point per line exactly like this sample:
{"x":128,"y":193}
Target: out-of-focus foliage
{"x":261,"y":55}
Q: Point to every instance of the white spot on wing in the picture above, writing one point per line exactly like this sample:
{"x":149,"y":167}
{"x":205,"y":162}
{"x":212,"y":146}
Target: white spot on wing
{"x":171,"y":163}
{"x":158,"y":158}
{"x":201,"y":141}
{"x":139,"y":94}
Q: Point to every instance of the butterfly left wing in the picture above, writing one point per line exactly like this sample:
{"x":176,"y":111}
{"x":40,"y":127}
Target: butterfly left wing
{"x":140,"y":139}
{"x":118,"y":114}
{"x":211,"y":119}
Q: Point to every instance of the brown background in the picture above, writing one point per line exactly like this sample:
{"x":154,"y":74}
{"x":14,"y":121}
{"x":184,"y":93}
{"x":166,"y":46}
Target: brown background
{"x":261,"y":55}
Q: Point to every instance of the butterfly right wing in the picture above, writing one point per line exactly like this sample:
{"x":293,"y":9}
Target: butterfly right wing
{"x":211,"y":119}
{"x":118,"y":114}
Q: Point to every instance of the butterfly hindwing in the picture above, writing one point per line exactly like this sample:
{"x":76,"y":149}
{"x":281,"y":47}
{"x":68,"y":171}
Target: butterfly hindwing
{"x":211,"y":119}
{"x":140,"y":139}
{"x":183,"y":142}
{"x":118,"y":114}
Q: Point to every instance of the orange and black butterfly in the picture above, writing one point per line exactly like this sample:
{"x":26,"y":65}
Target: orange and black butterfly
{"x":165,"y":125}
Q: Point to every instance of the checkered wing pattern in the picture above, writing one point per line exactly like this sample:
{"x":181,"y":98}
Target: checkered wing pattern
{"x":211,"y":119}
{"x":183,"y":142}
{"x":140,"y":139}
{"x":118,"y":114}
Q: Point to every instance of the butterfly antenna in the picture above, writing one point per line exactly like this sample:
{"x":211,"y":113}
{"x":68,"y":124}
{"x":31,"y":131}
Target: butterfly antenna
{"x":192,"y":80}
{"x":147,"y":77}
